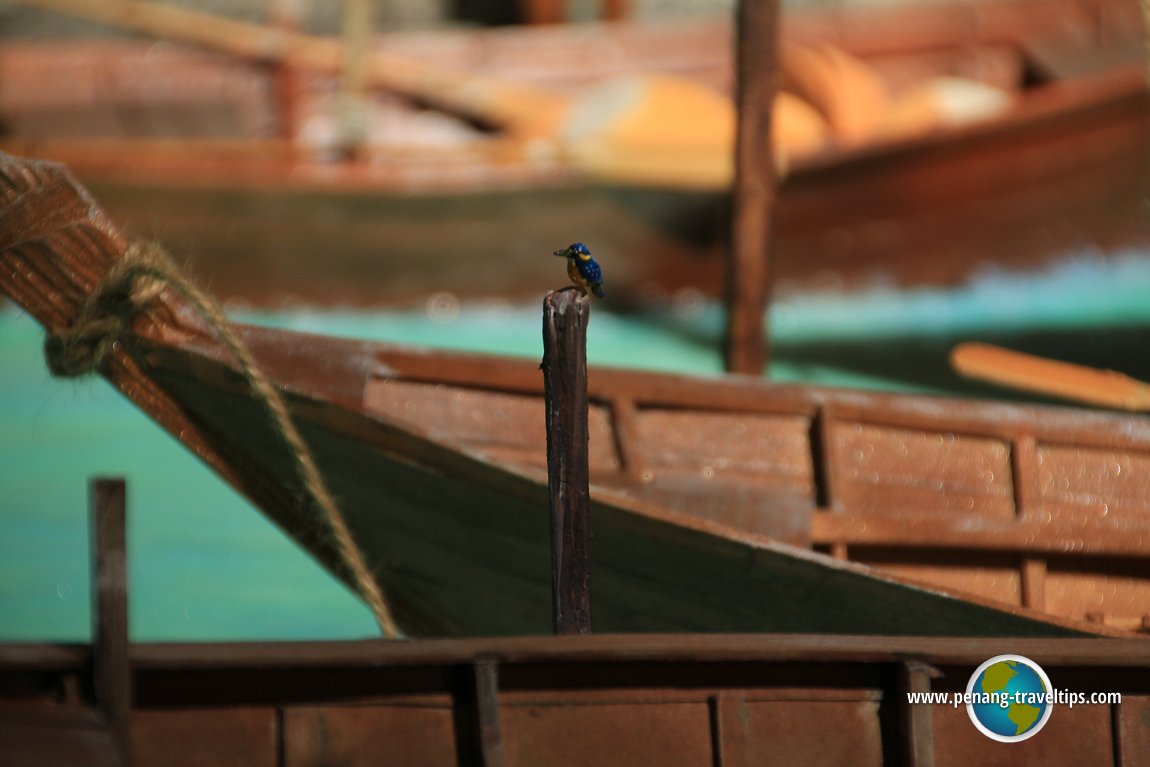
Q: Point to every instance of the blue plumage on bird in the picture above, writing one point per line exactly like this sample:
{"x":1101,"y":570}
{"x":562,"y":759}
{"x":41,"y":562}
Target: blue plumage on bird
{"x":583,"y":269}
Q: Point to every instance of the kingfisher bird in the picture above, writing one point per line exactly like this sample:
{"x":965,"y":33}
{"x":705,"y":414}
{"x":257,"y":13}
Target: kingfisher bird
{"x":583,"y":270}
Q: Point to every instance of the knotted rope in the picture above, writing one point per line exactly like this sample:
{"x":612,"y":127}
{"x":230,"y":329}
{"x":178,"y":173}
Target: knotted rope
{"x":103,"y":319}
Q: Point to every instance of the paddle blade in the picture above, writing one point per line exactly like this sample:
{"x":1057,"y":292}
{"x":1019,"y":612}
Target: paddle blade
{"x":1040,"y":375}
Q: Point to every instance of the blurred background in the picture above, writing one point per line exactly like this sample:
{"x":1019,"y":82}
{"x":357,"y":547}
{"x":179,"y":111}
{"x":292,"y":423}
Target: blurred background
{"x":975,"y":173}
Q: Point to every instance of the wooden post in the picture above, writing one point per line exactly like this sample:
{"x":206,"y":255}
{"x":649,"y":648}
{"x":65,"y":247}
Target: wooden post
{"x":565,"y":315}
{"x":354,"y":99}
{"x":112,"y":674}
{"x":915,"y":718}
{"x":478,"y":732}
{"x":748,"y":267}
{"x":287,"y":79}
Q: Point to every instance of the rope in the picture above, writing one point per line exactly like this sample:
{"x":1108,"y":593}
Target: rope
{"x":136,"y":280}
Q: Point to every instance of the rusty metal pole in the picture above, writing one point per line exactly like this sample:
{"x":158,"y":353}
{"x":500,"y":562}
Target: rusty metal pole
{"x":752,"y":216}
{"x":112,"y":674}
{"x":565,"y":315}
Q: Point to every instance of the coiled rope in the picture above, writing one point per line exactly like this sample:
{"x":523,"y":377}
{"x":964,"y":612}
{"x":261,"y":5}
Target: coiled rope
{"x":130,"y":286}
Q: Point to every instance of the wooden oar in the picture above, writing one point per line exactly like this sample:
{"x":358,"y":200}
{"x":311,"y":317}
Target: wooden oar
{"x":1050,"y":377}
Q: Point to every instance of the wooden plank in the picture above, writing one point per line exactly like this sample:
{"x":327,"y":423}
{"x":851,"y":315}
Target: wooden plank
{"x":1132,"y":731}
{"x":910,"y":529}
{"x":729,"y":729}
{"x":779,"y":732}
{"x":504,"y":425}
{"x":1075,"y":736}
{"x":1100,"y":482}
{"x":752,"y":217}
{"x":905,"y":469}
{"x":112,"y":675}
{"x":1118,"y":589}
{"x":41,"y":735}
{"x":232,"y":736}
{"x":989,"y":420}
{"x":936,"y":650}
{"x":361,"y":734}
{"x":695,"y":701}
{"x":608,"y":734}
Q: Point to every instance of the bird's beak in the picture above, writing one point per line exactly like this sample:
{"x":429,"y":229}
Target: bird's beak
{"x":560,"y":253}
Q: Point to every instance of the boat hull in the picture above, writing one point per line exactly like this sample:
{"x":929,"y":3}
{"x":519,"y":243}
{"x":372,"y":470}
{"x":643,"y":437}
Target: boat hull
{"x":1053,"y":184}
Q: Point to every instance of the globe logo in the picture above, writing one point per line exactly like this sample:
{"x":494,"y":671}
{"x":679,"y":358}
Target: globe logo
{"x":1009,"y":698}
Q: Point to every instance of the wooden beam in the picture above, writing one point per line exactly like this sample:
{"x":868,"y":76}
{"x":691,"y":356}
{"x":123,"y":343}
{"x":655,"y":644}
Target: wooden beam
{"x":565,"y":316}
{"x":112,"y":679}
{"x":752,"y":217}
{"x":916,"y":726}
{"x":729,"y":746}
{"x":1033,"y":583}
{"x":479,"y":735}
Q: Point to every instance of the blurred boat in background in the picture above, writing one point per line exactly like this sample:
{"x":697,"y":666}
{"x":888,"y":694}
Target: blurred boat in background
{"x":917,"y":148}
{"x":931,"y":515}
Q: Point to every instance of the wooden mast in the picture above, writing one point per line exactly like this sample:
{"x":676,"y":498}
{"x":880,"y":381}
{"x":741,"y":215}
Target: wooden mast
{"x":752,"y":216}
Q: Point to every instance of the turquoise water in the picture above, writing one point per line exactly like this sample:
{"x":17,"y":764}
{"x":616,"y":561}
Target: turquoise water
{"x":205,"y":565}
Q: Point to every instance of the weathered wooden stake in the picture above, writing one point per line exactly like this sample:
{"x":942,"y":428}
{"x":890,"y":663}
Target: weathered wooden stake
{"x":565,"y":314}
{"x":112,"y":676}
{"x":752,"y":217}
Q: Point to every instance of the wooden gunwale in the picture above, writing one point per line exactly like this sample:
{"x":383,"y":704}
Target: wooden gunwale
{"x":1038,"y":535}
{"x":751,"y":395}
{"x":704,"y":648}
{"x":716,"y":699}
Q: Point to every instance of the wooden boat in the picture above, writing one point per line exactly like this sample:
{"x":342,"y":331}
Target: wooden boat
{"x":591,"y":700}
{"x":264,"y":215}
{"x":708,"y":699}
{"x":1025,"y":520}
